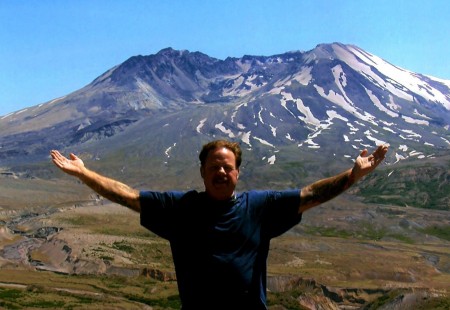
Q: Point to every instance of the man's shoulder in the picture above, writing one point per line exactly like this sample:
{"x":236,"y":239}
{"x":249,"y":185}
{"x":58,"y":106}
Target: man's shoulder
{"x":265,"y":192}
{"x":268,"y":195}
{"x":253,"y":196}
{"x":168,"y":195}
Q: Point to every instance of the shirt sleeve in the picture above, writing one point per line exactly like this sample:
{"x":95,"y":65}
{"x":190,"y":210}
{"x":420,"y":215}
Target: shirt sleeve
{"x":158,"y":211}
{"x":282,"y":212}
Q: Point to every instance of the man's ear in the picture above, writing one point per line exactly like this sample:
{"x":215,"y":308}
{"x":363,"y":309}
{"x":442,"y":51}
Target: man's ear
{"x":237,"y":177}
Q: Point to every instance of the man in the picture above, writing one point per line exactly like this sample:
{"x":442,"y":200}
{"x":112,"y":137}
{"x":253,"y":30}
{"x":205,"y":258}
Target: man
{"x":220,"y":239}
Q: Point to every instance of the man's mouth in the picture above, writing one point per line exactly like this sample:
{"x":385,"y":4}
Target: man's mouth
{"x":220,"y":181}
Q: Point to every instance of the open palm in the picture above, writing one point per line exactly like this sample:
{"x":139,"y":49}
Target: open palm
{"x":365,"y":164}
{"x":72,"y":166}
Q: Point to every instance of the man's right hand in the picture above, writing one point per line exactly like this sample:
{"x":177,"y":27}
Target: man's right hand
{"x":73,"y":166}
{"x":106,"y":187}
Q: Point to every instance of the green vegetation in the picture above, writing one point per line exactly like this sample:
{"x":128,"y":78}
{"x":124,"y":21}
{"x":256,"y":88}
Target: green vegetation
{"x":38,"y":297}
{"x":423,"y":186}
{"x":402,"y":238}
{"x":8,"y":298}
{"x":286,"y":300}
{"x":442,"y":232}
{"x":170,"y":302}
{"x":383,"y":300}
{"x":328,"y":232}
{"x":437,"y":303}
{"x":111,"y":224}
{"x":367,"y":231}
{"x":56,"y":291}
{"x":425,"y":303}
{"x":123,"y":246}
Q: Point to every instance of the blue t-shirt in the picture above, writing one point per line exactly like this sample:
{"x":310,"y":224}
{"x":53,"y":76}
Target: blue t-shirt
{"x":220,"y":249}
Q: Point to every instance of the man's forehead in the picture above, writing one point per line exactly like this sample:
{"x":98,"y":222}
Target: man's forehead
{"x":220,"y":153}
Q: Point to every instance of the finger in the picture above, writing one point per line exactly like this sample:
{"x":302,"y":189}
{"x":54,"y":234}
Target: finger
{"x":382,"y":148}
{"x":57,"y":161}
{"x":55,"y":155}
{"x":380,"y":152}
{"x":73,"y":156}
{"x":363,"y":153}
{"x":58,"y":158}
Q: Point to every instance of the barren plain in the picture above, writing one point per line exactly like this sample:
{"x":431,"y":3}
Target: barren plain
{"x":63,"y":247}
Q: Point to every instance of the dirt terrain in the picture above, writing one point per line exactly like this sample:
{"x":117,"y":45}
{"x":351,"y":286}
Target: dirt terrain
{"x":344,"y":254}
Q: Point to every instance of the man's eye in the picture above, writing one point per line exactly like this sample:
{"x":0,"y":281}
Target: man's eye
{"x":218,"y":168}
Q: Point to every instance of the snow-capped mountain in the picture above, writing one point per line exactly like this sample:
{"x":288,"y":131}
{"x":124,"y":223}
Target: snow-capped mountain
{"x":336,"y":98}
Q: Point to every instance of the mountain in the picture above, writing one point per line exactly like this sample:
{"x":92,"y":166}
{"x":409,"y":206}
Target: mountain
{"x":298,"y":115}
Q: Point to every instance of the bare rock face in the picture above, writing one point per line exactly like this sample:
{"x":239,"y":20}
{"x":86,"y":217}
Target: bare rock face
{"x":313,"y":295}
{"x":312,"y":301}
{"x":158,"y":274}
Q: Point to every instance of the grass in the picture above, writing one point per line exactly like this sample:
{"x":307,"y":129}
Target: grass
{"x":425,"y":303}
{"x":41,"y":298}
{"x":442,"y":232}
{"x":365,"y":231}
{"x":364,"y":263}
{"x":383,"y":300}
{"x":109,"y":224}
{"x":45,"y":290}
{"x":328,"y":232}
{"x":411,"y":187}
{"x":401,"y":238}
{"x":438,"y":303}
{"x":365,"y":253}
{"x":123,"y":246}
{"x":287,"y":300}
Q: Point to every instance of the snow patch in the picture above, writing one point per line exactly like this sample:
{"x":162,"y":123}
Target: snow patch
{"x":309,"y":117}
{"x":304,"y":76}
{"x":369,"y":136}
{"x":402,"y":80}
{"x":415,"y":121}
{"x":245,"y":137}
{"x":260,"y":117}
{"x":421,"y":115}
{"x":200,"y":125}
{"x":167,"y":151}
{"x":340,"y":100}
{"x":264,"y":142}
{"x":288,"y":136}
{"x":274,"y":130}
{"x":358,"y":61}
{"x":448,"y":142}
{"x":271,"y":160}
{"x":411,"y":133}
{"x":378,"y":104}
{"x":224,"y":130}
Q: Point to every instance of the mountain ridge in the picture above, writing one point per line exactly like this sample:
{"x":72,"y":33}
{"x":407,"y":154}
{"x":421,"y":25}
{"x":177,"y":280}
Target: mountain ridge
{"x":332,"y":101}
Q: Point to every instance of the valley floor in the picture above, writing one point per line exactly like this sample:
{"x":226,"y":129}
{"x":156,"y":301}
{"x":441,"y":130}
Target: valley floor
{"x":93,"y":254}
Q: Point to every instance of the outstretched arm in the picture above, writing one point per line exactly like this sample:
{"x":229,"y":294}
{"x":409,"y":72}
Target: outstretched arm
{"x":326,"y":189}
{"x":106,"y":187}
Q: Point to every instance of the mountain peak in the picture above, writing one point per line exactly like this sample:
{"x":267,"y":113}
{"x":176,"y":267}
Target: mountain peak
{"x":334,"y":94}
{"x":170,"y":52}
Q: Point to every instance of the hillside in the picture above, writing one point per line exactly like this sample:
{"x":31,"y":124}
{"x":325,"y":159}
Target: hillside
{"x":298,"y":116}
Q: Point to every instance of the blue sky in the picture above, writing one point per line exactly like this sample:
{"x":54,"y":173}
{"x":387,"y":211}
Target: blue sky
{"x":51,"y":48}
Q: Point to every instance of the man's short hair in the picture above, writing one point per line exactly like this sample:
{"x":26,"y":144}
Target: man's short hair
{"x":232,"y":146}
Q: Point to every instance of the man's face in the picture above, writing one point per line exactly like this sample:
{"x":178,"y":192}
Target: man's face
{"x":220,"y":174}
